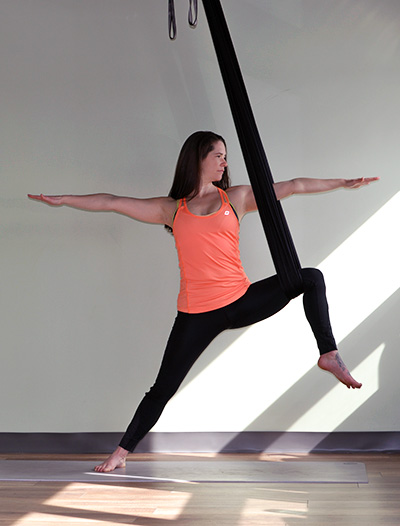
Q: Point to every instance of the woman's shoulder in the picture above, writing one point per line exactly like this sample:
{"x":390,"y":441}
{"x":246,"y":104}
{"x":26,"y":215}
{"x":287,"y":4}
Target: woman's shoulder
{"x":169,"y":206}
{"x":242,"y":198}
{"x":239,"y":190}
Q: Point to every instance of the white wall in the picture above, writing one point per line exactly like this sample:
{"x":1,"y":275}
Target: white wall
{"x":95,"y":98}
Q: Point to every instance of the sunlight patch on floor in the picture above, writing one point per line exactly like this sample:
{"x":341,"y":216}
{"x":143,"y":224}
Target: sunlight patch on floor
{"x":279,"y":510}
{"x":63,"y":505}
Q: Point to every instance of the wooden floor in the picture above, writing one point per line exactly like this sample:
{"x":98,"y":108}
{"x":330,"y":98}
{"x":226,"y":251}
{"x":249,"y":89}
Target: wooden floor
{"x":179,"y":504}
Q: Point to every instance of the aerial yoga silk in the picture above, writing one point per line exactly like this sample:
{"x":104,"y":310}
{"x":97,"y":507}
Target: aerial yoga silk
{"x":279,"y":239}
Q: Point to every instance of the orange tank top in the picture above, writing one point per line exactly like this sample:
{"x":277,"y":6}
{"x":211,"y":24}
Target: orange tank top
{"x":212,"y":274}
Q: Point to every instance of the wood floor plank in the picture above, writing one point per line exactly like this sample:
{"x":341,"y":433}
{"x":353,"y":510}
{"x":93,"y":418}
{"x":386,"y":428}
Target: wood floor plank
{"x":230,"y":504}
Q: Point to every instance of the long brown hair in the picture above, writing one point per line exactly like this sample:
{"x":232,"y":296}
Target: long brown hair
{"x":195,"y":149}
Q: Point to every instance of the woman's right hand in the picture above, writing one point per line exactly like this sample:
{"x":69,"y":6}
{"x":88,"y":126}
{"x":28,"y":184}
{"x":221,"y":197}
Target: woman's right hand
{"x":54,"y":200}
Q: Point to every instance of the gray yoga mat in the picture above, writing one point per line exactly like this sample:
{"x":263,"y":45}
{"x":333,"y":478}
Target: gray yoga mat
{"x":186,"y":471}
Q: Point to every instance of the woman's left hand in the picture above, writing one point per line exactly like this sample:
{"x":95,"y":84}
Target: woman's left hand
{"x":357,"y":183}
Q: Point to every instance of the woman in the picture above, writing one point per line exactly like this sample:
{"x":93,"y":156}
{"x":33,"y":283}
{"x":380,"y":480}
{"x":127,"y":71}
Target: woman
{"x":203,"y":211}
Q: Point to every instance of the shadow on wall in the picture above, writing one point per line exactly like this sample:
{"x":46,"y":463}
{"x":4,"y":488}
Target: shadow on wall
{"x":316,"y":384}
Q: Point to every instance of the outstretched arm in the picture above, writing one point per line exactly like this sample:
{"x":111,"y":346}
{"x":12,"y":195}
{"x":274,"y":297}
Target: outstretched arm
{"x":159,"y":210}
{"x":305,"y":185}
{"x":242,"y":197}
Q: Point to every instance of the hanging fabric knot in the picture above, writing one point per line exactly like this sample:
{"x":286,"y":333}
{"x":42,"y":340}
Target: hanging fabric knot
{"x":192,"y":17}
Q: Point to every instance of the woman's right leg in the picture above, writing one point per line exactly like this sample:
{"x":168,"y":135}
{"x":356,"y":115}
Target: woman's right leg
{"x":190,"y":335}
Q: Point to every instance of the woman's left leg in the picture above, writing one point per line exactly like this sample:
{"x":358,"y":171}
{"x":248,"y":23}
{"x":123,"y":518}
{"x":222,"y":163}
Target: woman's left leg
{"x":317,"y":313}
{"x":265,"y":298}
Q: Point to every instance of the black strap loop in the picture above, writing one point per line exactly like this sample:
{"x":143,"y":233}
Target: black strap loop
{"x":171,"y":20}
{"x":192,"y":15}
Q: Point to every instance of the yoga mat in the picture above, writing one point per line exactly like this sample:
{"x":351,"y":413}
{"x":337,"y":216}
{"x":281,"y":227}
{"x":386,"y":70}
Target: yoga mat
{"x":186,"y":471}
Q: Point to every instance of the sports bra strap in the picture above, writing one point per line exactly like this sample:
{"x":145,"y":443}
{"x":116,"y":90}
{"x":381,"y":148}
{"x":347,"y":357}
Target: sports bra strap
{"x":224,"y":197}
{"x":226,"y":200}
{"x":178,"y":205}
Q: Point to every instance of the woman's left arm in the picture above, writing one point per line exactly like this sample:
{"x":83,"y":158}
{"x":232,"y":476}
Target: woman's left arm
{"x":305,"y":185}
{"x":243,"y":200}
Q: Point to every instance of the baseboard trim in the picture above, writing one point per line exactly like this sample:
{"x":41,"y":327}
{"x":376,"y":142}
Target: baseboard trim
{"x":247,"y":441}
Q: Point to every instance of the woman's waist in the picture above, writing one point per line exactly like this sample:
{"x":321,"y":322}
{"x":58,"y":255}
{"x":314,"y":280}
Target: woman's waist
{"x":205,"y":295}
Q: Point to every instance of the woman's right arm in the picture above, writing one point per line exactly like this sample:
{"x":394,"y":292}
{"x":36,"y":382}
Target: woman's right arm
{"x":158,"y":210}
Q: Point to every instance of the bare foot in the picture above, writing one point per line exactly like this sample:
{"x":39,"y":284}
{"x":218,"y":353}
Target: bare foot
{"x":116,"y":460}
{"x":333,"y":363}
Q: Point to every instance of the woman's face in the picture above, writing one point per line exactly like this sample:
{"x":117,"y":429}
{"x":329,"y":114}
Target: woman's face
{"x":213,"y":166}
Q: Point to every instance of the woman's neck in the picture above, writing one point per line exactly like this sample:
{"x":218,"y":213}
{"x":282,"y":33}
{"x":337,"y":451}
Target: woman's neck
{"x":206,"y":190}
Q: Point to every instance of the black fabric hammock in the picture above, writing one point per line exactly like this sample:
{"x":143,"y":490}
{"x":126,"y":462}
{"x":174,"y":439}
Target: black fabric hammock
{"x":276,"y":229}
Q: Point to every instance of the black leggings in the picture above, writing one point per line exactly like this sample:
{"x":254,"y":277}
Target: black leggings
{"x":192,"y":333}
